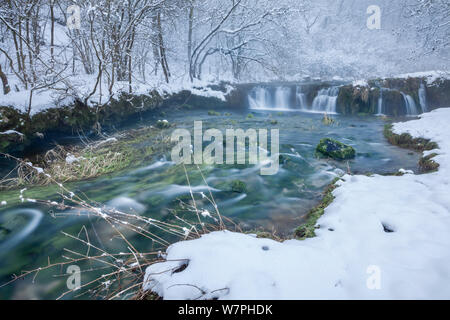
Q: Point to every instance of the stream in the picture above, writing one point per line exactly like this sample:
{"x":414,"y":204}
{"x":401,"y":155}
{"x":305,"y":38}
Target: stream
{"x":278,"y":202}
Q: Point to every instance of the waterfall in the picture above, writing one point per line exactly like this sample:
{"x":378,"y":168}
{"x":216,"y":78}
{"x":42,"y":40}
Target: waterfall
{"x":411,"y":109}
{"x":282,"y":95}
{"x":380,"y":103}
{"x":300,"y":98}
{"x":326,"y":99}
{"x":264,"y":98}
{"x":423,"y":98}
{"x":259,"y":98}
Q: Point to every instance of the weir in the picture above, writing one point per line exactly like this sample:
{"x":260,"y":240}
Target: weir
{"x":293,"y":98}
{"x":323,"y":98}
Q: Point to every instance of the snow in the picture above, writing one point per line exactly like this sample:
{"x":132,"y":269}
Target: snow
{"x":431,"y":76}
{"x":383,"y":237}
{"x":49,"y":98}
{"x":70,"y":158}
{"x":42,"y":100}
{"x":12,"y":132}
{"x":360,"y":83}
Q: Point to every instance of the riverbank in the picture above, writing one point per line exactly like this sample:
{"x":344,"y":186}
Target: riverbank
{"x":22,"y":129}
{"x":383,"y":237}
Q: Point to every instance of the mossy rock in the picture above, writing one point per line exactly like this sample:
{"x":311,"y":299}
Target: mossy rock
{"x":12,"y":142}
{"x":405,"y":140}
{"x":162,"y":124}
{"x":213,"y":113}
{"x":238,"y":186}
{"x":335,"y":149}
{"x":11,"y":119}
{"x":357,"y":100}
{"x":427,"y":164}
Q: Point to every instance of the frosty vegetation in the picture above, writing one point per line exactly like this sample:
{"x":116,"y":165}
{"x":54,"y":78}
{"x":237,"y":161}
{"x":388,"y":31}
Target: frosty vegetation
{"x":136,"y":44}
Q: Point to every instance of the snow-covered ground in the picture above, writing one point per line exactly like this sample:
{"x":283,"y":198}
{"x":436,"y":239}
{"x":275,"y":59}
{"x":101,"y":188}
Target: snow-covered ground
{"x":49,"y":98}
{"x":354,"y":256}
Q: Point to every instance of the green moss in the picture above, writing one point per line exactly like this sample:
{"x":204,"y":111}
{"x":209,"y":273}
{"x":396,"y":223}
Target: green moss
{"x":132,"y":149}
{"x":263,"y":234}
{"x":213,"y":113}
{"x":405,"y":140}
{"x":238,"y":186}
{"x":426,"y":164}
{"x":162,"y":124}
{"x":250,"y":116}
{"x":4,"y":232}
{"x":335,"y":149}
{"x":307,"y":229}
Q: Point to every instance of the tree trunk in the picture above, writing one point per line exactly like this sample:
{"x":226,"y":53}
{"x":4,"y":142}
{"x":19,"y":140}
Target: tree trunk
{"x":189,"y":47}
{"x":162,"y":50}
{"x":6,"y":88}
{"x":52,"y":31}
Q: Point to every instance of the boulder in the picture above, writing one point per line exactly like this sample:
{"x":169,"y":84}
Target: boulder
{"x":335,"y":149}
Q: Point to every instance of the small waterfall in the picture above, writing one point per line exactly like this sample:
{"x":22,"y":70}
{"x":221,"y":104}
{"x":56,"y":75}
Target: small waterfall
{"x":326,"y":99}
{"x":282,"y":95}
{"x":300,"y":98}
{"x":259,"y":98}
{"x":423,"y":98}
{"x":411,"y":109}
{"x":266,"y":98}
{"x":380,"y":103}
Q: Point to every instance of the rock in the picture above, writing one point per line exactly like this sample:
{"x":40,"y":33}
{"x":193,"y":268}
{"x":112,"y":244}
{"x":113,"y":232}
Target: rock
{"x":335,"y":149}
{"x":238,"y":186}
{"x":162,"y":124}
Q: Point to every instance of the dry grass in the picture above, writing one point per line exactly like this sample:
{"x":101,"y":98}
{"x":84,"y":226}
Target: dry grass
{"x":90,"y":160}
{"x":122,"y":272}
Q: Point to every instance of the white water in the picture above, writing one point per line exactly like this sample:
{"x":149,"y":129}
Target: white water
{"x":411,"y":108}
{"x":326,"y":99}
{"x":259,"y":98}
{"x":35,"y":217}
{"x":380,"y":103}
{"x":282,"y":95}
{"x":265,"y":99}
{"x":281,"y":98}
{"x":423,"y":98}
{"x":300,"y":98}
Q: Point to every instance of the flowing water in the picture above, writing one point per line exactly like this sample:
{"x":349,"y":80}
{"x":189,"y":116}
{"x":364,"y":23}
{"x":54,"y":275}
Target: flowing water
{"x":411,"y":108}
{"x":423,"y":98}
{"x":326,"y":100}
{"x":277,"y":202}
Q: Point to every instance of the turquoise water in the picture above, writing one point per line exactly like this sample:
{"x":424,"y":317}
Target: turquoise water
{"x":277,"y":202}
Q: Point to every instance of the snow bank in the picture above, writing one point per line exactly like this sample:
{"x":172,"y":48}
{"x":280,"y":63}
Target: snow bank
{"x":384,"y":237}
{"x":47,"y":99}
